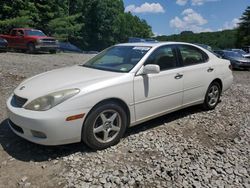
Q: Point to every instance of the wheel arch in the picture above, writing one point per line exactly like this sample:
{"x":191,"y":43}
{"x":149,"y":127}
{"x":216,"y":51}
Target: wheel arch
{"x":30,"y":41}
{"x":115,"y":100}
{"x":218,"y":80}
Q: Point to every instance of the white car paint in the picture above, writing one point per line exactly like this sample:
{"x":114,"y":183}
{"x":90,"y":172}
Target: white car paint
{"x":151,"y":98}
{"x":146,"y":96}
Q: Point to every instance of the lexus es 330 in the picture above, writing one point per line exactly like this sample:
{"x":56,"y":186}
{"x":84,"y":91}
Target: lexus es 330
{"x":123,"y":86}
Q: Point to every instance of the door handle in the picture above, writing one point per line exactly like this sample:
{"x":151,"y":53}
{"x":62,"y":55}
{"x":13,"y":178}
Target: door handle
{"x":178,"y":76}
{"x":210,"y":69}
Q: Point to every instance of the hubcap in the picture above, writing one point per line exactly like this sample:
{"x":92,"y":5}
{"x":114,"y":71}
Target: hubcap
{"x":213,"y":95}
{"x":107,"y":126}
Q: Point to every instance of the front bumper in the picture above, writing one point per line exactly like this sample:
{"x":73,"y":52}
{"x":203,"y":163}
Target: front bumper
{"x":52,"y":123}
{"x":46,"y":46}
{"x":242,"y":66}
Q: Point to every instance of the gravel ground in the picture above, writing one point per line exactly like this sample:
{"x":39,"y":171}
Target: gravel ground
{"x":188,"y":148}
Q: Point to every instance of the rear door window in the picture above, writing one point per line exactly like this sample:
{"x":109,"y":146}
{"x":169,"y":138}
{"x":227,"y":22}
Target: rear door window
{"x":191,"y":55}
{"x":13,"y":33}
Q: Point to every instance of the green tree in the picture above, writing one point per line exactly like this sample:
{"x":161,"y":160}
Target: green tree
{"x":99,"y":20}
{"x":90,"y":24}
{"x":14,"y":14}
{"x":128,"y":25}
{"x":64,"y":23}
{"x":65,"y":28}
{"x":243,"y":34}
{"x":220,"y":39}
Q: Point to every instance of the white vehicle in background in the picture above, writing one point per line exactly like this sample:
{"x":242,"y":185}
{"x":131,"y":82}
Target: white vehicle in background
{"x":123,"y":86}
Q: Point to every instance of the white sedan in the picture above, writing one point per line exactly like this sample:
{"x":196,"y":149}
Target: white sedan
{"x":123,"y":86}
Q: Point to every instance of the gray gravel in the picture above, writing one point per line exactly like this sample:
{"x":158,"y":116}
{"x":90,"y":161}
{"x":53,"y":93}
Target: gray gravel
{"x":188,"y":148}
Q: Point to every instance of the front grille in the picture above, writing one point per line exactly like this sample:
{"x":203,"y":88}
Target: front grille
{"x":15,"y":127}
{"x":244,"y":66}
{"x":17,"y":101}
{"x":49,"y":41}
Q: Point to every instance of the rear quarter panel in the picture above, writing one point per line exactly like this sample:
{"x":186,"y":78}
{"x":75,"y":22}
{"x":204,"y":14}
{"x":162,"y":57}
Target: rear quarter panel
{"x":223,"y":72}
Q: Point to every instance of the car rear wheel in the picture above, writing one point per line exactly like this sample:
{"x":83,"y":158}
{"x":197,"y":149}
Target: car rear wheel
{"x":104,"y":126}
{"x":212,"y":97}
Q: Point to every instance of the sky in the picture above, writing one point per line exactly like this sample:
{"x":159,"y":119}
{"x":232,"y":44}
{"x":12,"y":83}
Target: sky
{"x":168,"y":17}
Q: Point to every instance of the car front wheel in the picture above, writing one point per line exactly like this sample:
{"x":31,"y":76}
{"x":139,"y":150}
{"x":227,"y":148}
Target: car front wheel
{"x":52,"y":51}
{"x":104,"y":126}
{"x":212,"y":97}
{"x":31,"y":48}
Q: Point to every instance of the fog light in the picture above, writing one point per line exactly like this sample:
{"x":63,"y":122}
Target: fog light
{"x":38,"y":134}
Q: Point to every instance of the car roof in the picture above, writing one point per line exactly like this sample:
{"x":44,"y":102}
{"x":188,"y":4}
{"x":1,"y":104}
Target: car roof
{"x":25,"y":29}
{"x":153,"y":44}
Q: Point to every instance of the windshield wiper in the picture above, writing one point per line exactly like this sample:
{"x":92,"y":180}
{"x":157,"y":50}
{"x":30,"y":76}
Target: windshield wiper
{"x":103,"y":68}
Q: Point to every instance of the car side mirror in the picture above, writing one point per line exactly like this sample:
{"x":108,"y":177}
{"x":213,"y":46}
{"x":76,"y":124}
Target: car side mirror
{"x":151,"y":69}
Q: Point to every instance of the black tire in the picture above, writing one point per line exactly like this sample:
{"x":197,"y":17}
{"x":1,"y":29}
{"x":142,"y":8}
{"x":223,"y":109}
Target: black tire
{"x":31,"y":48}
{"x":209,"y":103}
{"x":52,"y":51}
{"x":96,"y":140}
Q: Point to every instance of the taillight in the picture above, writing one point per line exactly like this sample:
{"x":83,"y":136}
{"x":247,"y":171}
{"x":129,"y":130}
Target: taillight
{"x":230,"y":67}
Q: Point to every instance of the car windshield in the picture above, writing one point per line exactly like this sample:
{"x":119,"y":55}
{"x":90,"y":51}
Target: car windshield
{"x":35,"y":33}
{"x":118,"y":58}
{"x":232,"y":54}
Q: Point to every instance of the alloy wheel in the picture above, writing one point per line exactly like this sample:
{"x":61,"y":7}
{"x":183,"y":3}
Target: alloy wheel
{"x":213,"y":95}
{"x":107,"y":126}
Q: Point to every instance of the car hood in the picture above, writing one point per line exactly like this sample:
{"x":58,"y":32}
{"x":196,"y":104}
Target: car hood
{"x":60,"y":79}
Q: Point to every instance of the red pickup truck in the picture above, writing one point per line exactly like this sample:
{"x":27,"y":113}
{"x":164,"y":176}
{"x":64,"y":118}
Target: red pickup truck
{"x":30,"y":40}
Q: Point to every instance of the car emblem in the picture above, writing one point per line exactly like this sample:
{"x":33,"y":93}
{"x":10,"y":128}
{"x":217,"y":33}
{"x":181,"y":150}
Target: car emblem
{"x":21,"y":88}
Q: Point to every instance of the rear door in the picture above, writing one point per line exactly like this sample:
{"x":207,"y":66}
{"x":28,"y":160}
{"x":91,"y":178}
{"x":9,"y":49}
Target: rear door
{"x":155,"y":94}
{"x":198,"y":73}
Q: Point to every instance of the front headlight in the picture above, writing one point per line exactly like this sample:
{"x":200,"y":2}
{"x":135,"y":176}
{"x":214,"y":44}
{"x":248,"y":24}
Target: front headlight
{"x":39,"y":40}
{"x":49,"y":101}
{"x":238,"y":62}
{"x":235,"y":62}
